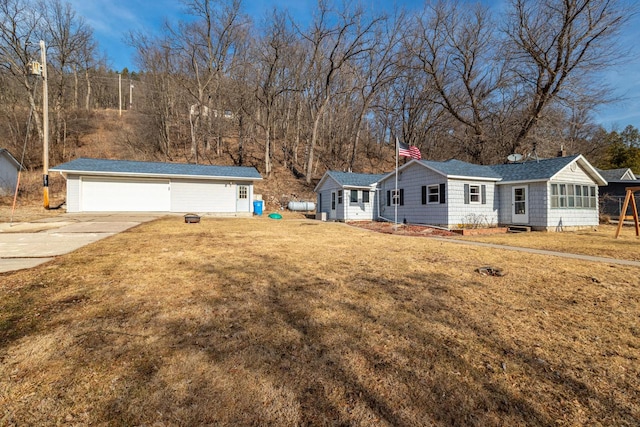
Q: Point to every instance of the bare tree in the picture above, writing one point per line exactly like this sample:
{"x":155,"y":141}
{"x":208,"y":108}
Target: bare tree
{"x":454,"y":47}
{"x":334,"y":41}
{"x":557,"y":47}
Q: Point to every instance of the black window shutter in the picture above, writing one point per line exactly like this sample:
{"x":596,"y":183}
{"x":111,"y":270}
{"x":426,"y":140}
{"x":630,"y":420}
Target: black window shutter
{"x":442,"y":198}
{"x":388,"y":198}
{"x":466,"y":194}
{"x":483,"y":189}
{"x":424,"y":194}
{"x":402,"y":197}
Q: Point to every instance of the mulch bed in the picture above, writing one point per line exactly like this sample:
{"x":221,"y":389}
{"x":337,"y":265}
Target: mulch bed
{"x":402,"y":229}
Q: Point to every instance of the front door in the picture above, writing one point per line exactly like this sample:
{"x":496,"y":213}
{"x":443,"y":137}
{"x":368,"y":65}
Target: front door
{"x":332,"y":213}
{"x":242,"y":200}
{"x":520,"y":211}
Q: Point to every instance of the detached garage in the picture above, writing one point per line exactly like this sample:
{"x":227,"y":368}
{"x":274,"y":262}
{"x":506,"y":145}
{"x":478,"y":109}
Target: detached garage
{"x":98,"y":185}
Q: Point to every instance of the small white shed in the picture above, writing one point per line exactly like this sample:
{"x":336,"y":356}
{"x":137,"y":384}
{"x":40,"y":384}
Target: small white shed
{"x":99,"y":185}
{"x":9,"y":168}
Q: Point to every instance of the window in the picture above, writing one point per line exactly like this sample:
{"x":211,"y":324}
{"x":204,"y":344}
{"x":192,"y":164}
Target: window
{"x":474,"y":194}
{"x":333,"y":201}
{"x":365,"y":197}
{"x":434,"y":194}
{"x":578,"y":195}
{"x":573,"y":196}
{"x":397,"y":197}
{"x":353,"y":198}
{"x":570,"y":196}
{"x":339,"y":197}
{"x":585,"y":196}
{"x":563,"y":195}
{"x":243,"y":192}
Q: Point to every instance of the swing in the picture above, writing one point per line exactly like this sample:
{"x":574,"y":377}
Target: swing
{"x":634,"y":209}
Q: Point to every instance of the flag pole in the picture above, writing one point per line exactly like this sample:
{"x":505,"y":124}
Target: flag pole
{"x":397,"y":196}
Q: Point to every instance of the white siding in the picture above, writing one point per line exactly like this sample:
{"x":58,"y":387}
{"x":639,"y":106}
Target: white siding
{"x":411,"y":180}
{"x":346,"y":211}
{"x":452,"y":213}
{"x":8,"y":176}
{"x":561,"y":218}
{"x":537,"y":203}
{"x":327,"y":187}
{"x":73,"y":193}
{"x":111,"y":194}
{"x":359,"y":211}
{"x":567,"y":175}
{"x":472,"y":213}
{"x":201,"y":196}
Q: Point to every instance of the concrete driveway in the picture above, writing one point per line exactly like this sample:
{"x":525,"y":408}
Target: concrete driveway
{"x":28,"y":244}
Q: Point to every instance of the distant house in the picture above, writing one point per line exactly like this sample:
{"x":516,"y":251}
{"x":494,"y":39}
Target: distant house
{"x":9,"y":168}
{"x":98,"y":185}
{"x":346,"y":196}
{"x":612,"y":195}
{"x":550,"y":194}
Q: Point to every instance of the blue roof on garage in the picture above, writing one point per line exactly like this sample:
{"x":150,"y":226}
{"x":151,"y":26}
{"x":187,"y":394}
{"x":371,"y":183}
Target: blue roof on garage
{"x":128,"y":167}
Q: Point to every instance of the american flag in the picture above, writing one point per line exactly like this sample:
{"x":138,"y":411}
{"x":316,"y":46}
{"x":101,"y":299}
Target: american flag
{"x":408,"y":150}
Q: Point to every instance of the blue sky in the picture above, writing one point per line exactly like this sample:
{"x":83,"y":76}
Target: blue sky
{"x":111,"y":19}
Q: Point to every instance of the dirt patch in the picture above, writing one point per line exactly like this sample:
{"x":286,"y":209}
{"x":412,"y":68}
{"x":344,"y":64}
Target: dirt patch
{"x":402,"y":229}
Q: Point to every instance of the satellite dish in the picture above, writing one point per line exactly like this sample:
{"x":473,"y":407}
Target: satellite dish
{"x":514,"y":157}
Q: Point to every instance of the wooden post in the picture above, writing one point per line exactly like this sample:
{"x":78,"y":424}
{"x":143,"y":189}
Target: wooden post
{"x":629,"y":198}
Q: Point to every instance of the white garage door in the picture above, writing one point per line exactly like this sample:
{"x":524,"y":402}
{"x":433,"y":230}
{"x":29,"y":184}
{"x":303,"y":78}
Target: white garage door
{"x":124,"y":195}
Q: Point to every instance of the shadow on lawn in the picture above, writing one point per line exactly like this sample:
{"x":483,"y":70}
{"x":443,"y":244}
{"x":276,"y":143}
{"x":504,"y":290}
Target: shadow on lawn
{"x":328,"y":359}
{"x":284,"y":347}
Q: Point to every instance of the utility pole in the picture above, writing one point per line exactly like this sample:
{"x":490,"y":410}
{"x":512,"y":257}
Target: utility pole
{"x":130,"y":95}
{"x":45,"y":125}
{"x":119,"y":95}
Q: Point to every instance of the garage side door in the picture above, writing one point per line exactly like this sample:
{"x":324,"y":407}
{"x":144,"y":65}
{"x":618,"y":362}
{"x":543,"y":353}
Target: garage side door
{"x":124,"y":195}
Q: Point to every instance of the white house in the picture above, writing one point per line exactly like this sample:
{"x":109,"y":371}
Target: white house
{"x":9,"y":168}
{"x":446,"y":194}
{"x":554,"y":194}
{"x":98,"y":185}
{"x":551,"y":194}
{"x":346,"y":196}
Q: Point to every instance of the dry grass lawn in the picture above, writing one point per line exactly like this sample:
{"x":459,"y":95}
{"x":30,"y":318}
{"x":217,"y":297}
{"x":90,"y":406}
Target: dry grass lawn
{"x":295,"y":322}
{"x":600,"y":242}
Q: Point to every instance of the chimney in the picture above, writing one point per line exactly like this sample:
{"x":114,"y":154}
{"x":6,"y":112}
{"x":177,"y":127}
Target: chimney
{"x":561,"y":153}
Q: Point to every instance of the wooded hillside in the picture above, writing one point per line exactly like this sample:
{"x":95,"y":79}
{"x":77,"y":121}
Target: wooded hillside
{"x":455,"y":79}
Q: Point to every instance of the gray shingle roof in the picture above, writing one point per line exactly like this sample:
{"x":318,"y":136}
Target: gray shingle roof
{"x":127,"y":167}
{"x":7,"y":154}
{"x":532,"y":170}
{"x":350,"y":179}
{"x":454,"y":167}
{"x":613,"y":174}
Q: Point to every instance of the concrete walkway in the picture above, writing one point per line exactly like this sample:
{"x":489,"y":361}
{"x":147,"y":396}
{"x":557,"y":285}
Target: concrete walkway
{"x":543,"y":252}
{"x":29,"y":244}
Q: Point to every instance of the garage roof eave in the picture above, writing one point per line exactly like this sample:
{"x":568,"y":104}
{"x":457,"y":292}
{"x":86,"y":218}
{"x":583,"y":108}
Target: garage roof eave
{"x":156,"y":175}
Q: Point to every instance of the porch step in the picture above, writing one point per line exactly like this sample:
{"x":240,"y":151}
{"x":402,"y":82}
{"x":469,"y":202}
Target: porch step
{"x":519,"y":229}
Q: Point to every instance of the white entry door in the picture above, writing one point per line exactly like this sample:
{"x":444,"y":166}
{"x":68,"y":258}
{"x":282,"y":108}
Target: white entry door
{"x":242,"y":199}
{"x":520,"y":204}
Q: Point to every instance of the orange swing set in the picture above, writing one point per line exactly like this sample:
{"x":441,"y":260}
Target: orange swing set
{"x":623,"y":214}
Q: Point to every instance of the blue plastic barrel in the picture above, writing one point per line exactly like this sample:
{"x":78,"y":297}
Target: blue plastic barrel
{"x":257,"y":207}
